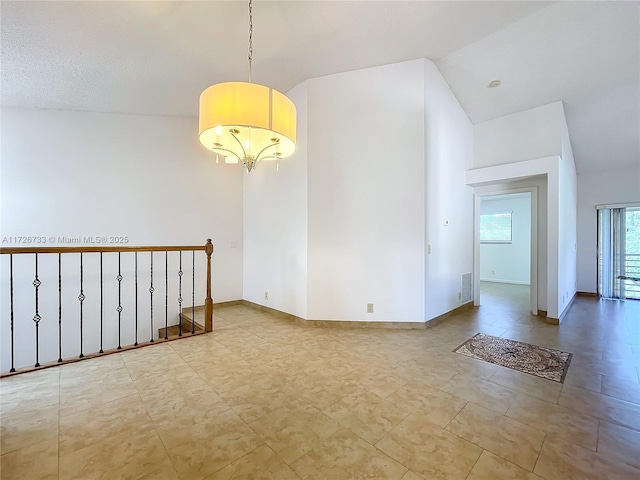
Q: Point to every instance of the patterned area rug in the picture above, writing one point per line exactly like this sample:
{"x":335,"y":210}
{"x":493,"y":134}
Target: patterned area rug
{"x":523,"y":357}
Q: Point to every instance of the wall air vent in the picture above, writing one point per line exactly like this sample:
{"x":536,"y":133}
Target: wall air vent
{"x":466,"y":288}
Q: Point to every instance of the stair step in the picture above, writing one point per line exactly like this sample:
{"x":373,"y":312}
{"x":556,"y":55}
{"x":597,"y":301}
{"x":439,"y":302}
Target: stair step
{"x":173,"y":330}
{"x":186,"y":320}
{"x":196,"y":314}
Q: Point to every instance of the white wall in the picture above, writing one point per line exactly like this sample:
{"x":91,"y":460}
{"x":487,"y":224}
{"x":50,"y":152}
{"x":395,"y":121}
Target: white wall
{"x":366,"y":194}
{"x":527,"y":135}
{"x":607,"y":187}
{"x":344,"y":222}
{"x":275,"y":226}
{"x":88,"y":174}
{"x":508,"y":262}
{"x":567,"y":223}
{"x":448,"y":139}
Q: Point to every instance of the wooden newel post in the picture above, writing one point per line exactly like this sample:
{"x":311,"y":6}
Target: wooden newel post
{"x":208,"y":303}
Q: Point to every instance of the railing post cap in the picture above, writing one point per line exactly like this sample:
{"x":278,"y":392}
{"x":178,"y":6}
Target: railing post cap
{"x":209,"y":247}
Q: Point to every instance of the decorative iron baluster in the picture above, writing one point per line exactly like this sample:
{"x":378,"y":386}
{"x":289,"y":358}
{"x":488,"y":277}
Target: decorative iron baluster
{"x":151,"y":290}
{"x":101,"y":305}
{"x":13,"y":368}
{"x":119,"y":309}
{"x":59,"y":308}
{"x":81,"y":298}
{"x":36,"y":317}
{"x":166,"y":294}
{"x":136,"y":281}
{"x":180,"y":297}
{"x":193,"y":292}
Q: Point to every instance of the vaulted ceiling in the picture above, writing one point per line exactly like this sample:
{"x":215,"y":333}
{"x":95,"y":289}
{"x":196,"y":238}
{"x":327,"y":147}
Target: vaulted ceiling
{"x":156,"y":57}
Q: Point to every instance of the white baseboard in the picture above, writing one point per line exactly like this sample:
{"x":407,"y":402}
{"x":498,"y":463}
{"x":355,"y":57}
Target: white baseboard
{"x":494,"y":280}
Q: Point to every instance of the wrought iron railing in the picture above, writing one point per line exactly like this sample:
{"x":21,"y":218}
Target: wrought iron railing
{"x":631,"y":277}
{"x":15,"y":291}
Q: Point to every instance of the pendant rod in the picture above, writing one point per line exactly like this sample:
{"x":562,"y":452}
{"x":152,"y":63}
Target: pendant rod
{"x":250,"y":39}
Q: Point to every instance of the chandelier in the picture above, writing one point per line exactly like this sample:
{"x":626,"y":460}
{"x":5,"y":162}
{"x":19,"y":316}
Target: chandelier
{"x":246,"y":122}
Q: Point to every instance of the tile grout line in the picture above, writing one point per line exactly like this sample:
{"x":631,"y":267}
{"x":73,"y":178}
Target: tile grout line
{"x":539,"y":453}
{"x":455,"y":416}
{"x":475,"y":463}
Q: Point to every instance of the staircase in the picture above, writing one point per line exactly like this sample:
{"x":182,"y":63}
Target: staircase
{"x":188,"y":314}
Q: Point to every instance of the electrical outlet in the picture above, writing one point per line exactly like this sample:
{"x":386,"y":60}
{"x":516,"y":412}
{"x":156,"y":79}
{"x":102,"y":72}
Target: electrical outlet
{"x":369,"y":307}
{"x":266,"y":295}
{"x":459,"y":295}
{"x":429,"y":249}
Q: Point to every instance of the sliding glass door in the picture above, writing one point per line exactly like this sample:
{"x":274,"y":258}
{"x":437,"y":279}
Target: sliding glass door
{"x":619,"y":251}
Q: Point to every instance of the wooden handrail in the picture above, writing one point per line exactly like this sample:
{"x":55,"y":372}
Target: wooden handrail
{"x":103,"y":249}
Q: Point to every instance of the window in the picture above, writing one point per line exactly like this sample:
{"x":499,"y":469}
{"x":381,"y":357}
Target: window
{"x":495,"y":228}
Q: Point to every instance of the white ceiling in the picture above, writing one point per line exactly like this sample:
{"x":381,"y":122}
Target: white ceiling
{"x":156,"y":57}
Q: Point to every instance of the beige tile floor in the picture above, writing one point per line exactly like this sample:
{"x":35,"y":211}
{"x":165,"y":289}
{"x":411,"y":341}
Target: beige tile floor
{"x":262,"y":397}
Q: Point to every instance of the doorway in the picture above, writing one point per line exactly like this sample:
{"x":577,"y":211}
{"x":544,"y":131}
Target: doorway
{"x":505,"y":268}
{"x":619,"y":251}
